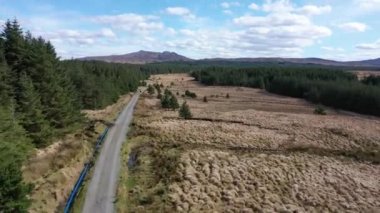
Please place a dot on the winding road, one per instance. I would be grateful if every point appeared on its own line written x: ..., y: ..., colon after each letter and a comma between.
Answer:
x: 101, y: 192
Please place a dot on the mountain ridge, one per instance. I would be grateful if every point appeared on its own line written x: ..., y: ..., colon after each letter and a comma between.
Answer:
x: 140, y: 57
x: 144, y: 57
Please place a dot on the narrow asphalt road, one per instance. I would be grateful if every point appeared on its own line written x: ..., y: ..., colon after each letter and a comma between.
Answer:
x: 101, y: 192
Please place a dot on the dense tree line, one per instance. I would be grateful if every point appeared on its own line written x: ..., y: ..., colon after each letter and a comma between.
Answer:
x: 99, y: 84
x: 372, y: 80
x: 41, y: 97
x: 329, y: 87
x: 197, y: 65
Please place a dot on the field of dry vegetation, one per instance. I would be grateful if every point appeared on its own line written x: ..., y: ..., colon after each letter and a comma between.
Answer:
x: 248, y: 151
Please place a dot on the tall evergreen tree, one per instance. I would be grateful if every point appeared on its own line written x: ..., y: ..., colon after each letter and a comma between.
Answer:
x: 184, y: 111
x: 173, y: 103
x: 30, y: 111
x: 14, y: 146
x: 14, y: 42
x: 5, y: 88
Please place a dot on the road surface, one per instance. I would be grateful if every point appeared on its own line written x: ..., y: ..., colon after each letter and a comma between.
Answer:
x: 101, y: 192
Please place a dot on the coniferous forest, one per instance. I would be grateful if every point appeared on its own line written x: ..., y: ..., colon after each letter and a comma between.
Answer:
x: 41, y: 96
x: 330, y: 87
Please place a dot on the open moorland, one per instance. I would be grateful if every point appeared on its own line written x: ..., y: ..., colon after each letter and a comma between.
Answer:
x: 246, y: 150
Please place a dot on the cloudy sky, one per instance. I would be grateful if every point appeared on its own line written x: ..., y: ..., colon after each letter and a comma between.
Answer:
x: 333, y: 29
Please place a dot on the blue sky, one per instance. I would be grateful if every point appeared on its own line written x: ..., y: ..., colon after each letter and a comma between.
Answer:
x: 333, y: 29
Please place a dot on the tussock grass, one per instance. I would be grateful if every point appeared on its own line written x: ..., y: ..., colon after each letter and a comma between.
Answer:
x: 253, y: 152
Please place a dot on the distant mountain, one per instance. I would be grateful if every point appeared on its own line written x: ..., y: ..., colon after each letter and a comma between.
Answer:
x: 140, y: 57
x: 317, y: 61
x: 143, y: 57
x: 370, y: 63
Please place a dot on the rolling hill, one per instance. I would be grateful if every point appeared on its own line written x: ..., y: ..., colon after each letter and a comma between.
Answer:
x: 144, y: 57
x: 140, y: 57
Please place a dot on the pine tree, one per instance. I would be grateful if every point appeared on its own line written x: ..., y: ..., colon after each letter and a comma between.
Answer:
x: 14, y: 48
x: 14, y: 146
x: 14, y: 43
x: 13, y: 196
x: 58, y: 98
x: 184, y: 111
x: 5, y: 87
x: 150, y: 89
x: 165, y: 101
x: 30, y: 111
x: 173, y: 103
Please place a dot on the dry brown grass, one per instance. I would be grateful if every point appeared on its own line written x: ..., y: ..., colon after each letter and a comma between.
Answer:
x: 256, y: 151
x: 54, y: 169
x: 363, y: 74
x: 226, y: 182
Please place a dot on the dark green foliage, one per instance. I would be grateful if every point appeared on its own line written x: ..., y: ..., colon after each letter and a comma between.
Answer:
x: 320, y: 111
x: 167, y: 92
x: 158, y: 88
x: 184, y: 111
x: 99, y: 83
x: 30, y: 112
x: 372, y: 80
x: 41, y: 96
x: 173, y: 103
x: 329, y: 87
x: 190, y: 94
x: 165, y: 101
x: 150, y: 89
x: 159, y: 95
x: 14, y: 146
x: 169, y: 101
x: 13, y: 191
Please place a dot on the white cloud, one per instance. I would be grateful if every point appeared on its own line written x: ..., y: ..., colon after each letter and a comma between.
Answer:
x: 106, y: 32
x: 178, y: 11
x: 285, y: 31
x: 286, y: 28
x: 254, y: 6
x: 354, y: 26
x: 370, y: 46
x: 285, y: 6
x: 272, y: 20
x: 171, y: 31
x: 314, y: 10
x: 131, y: 22
x: 227, y: 5
x: 368, y: 5
x: 76, y: 36
x: 277, y: 6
